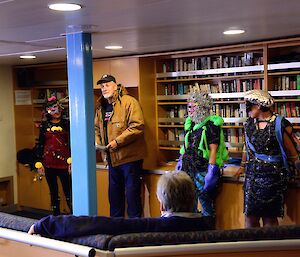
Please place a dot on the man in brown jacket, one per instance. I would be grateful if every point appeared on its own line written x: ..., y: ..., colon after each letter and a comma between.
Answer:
x: 119, y: 126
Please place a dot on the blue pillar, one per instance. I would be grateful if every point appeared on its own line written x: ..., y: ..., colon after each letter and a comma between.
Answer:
x: 80, y: 80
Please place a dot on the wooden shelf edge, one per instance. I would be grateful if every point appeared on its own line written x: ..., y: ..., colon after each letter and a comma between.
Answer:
x: 168, y: 148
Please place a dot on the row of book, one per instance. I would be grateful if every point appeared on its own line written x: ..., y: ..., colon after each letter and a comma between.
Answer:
x: 212, y: 62
x: 174, y: 134
x: 235, y: 110
x: 233, y: 137
x: 231, y: 86
x: 223, y: 110
x: 230, y: 110
x: 286, y: 82
x: 177, y: 111
x: 288, y: 109
x: 239, y: 85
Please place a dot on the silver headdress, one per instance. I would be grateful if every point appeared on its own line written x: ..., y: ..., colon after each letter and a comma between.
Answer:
x: 259, y: 97
x: 203, y: 104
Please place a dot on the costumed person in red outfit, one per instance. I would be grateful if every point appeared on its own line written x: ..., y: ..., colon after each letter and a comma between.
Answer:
x: 53, y: 153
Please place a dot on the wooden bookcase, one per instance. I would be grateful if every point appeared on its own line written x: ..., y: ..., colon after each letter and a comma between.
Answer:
x: 225, y: 73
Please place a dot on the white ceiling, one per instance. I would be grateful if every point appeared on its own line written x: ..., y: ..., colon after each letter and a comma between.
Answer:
x: 141, y: 26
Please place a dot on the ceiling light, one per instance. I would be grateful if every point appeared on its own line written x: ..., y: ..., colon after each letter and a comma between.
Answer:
x: 114, y: 47
x: 64, y: 7
x: 233, y: 31
x: 28, y: 56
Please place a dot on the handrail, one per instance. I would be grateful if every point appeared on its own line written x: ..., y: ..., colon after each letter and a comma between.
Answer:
x: 52, y: 244
x: 185, y: 249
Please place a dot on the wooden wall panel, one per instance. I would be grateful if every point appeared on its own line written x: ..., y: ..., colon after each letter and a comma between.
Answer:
x: 147, y: 101
x: 102, y: 192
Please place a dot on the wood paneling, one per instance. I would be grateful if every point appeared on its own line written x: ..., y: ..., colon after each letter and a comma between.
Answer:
x: 150, y: 181
x: 34, y: 192
x: 6, y: 191
x: 229, y: 206
x: 100, y: 67
x: 102, y: 192
x: 147, y: 101
x: 125, y: 70
x: 28, y: 189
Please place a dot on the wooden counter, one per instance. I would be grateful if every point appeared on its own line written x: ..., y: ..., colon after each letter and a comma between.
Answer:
x: 229, y: 202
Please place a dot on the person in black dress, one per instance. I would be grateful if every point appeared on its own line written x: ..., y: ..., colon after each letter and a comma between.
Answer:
x: 268, y: 143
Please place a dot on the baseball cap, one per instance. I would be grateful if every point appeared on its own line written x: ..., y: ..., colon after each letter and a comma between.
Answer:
x: 106, y: 78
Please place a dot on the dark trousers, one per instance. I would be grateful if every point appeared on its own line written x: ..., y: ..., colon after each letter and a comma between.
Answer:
x: 124, y: 180
x: 65, y: 179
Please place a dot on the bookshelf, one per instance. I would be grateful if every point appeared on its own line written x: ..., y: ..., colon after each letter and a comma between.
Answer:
x: 225, y: 73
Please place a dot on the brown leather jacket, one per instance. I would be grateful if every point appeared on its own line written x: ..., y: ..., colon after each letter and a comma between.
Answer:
x: 126, y: 126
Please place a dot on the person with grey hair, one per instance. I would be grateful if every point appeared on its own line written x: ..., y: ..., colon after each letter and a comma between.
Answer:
x: 175, y: 192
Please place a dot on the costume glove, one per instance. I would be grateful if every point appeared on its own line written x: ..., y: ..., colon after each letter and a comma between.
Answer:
x: 179, y: 164
x: 212, y: 177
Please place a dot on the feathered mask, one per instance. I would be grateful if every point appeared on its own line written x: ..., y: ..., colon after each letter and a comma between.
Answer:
x: 53, y: 105
x: 202, y: 104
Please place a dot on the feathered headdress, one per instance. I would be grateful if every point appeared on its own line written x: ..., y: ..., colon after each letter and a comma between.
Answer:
x: 259, y: 97
x: 203, y: 103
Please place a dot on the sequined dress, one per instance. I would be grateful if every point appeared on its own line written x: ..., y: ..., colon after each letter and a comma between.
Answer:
x: 265, y: 181
x: 196, y: 166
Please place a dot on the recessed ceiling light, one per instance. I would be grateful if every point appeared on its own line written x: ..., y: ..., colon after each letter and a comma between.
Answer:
x: 28, y: 56
x: 114, y: 47
x: 64, y: 7
x: 233, y: 32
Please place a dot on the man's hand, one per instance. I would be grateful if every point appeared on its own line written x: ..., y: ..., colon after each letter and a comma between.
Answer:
x: 31, y: 230
x: 112, y: 145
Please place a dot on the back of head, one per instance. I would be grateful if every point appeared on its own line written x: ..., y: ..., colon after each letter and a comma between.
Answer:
x: 176, y: 192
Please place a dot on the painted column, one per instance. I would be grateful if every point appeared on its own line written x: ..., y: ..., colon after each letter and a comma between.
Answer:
x: 80, y: 80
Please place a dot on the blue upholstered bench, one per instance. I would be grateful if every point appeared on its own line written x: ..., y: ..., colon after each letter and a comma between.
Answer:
x: 110, y: 243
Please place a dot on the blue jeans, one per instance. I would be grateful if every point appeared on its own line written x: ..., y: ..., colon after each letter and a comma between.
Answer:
x: 124, y: 180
